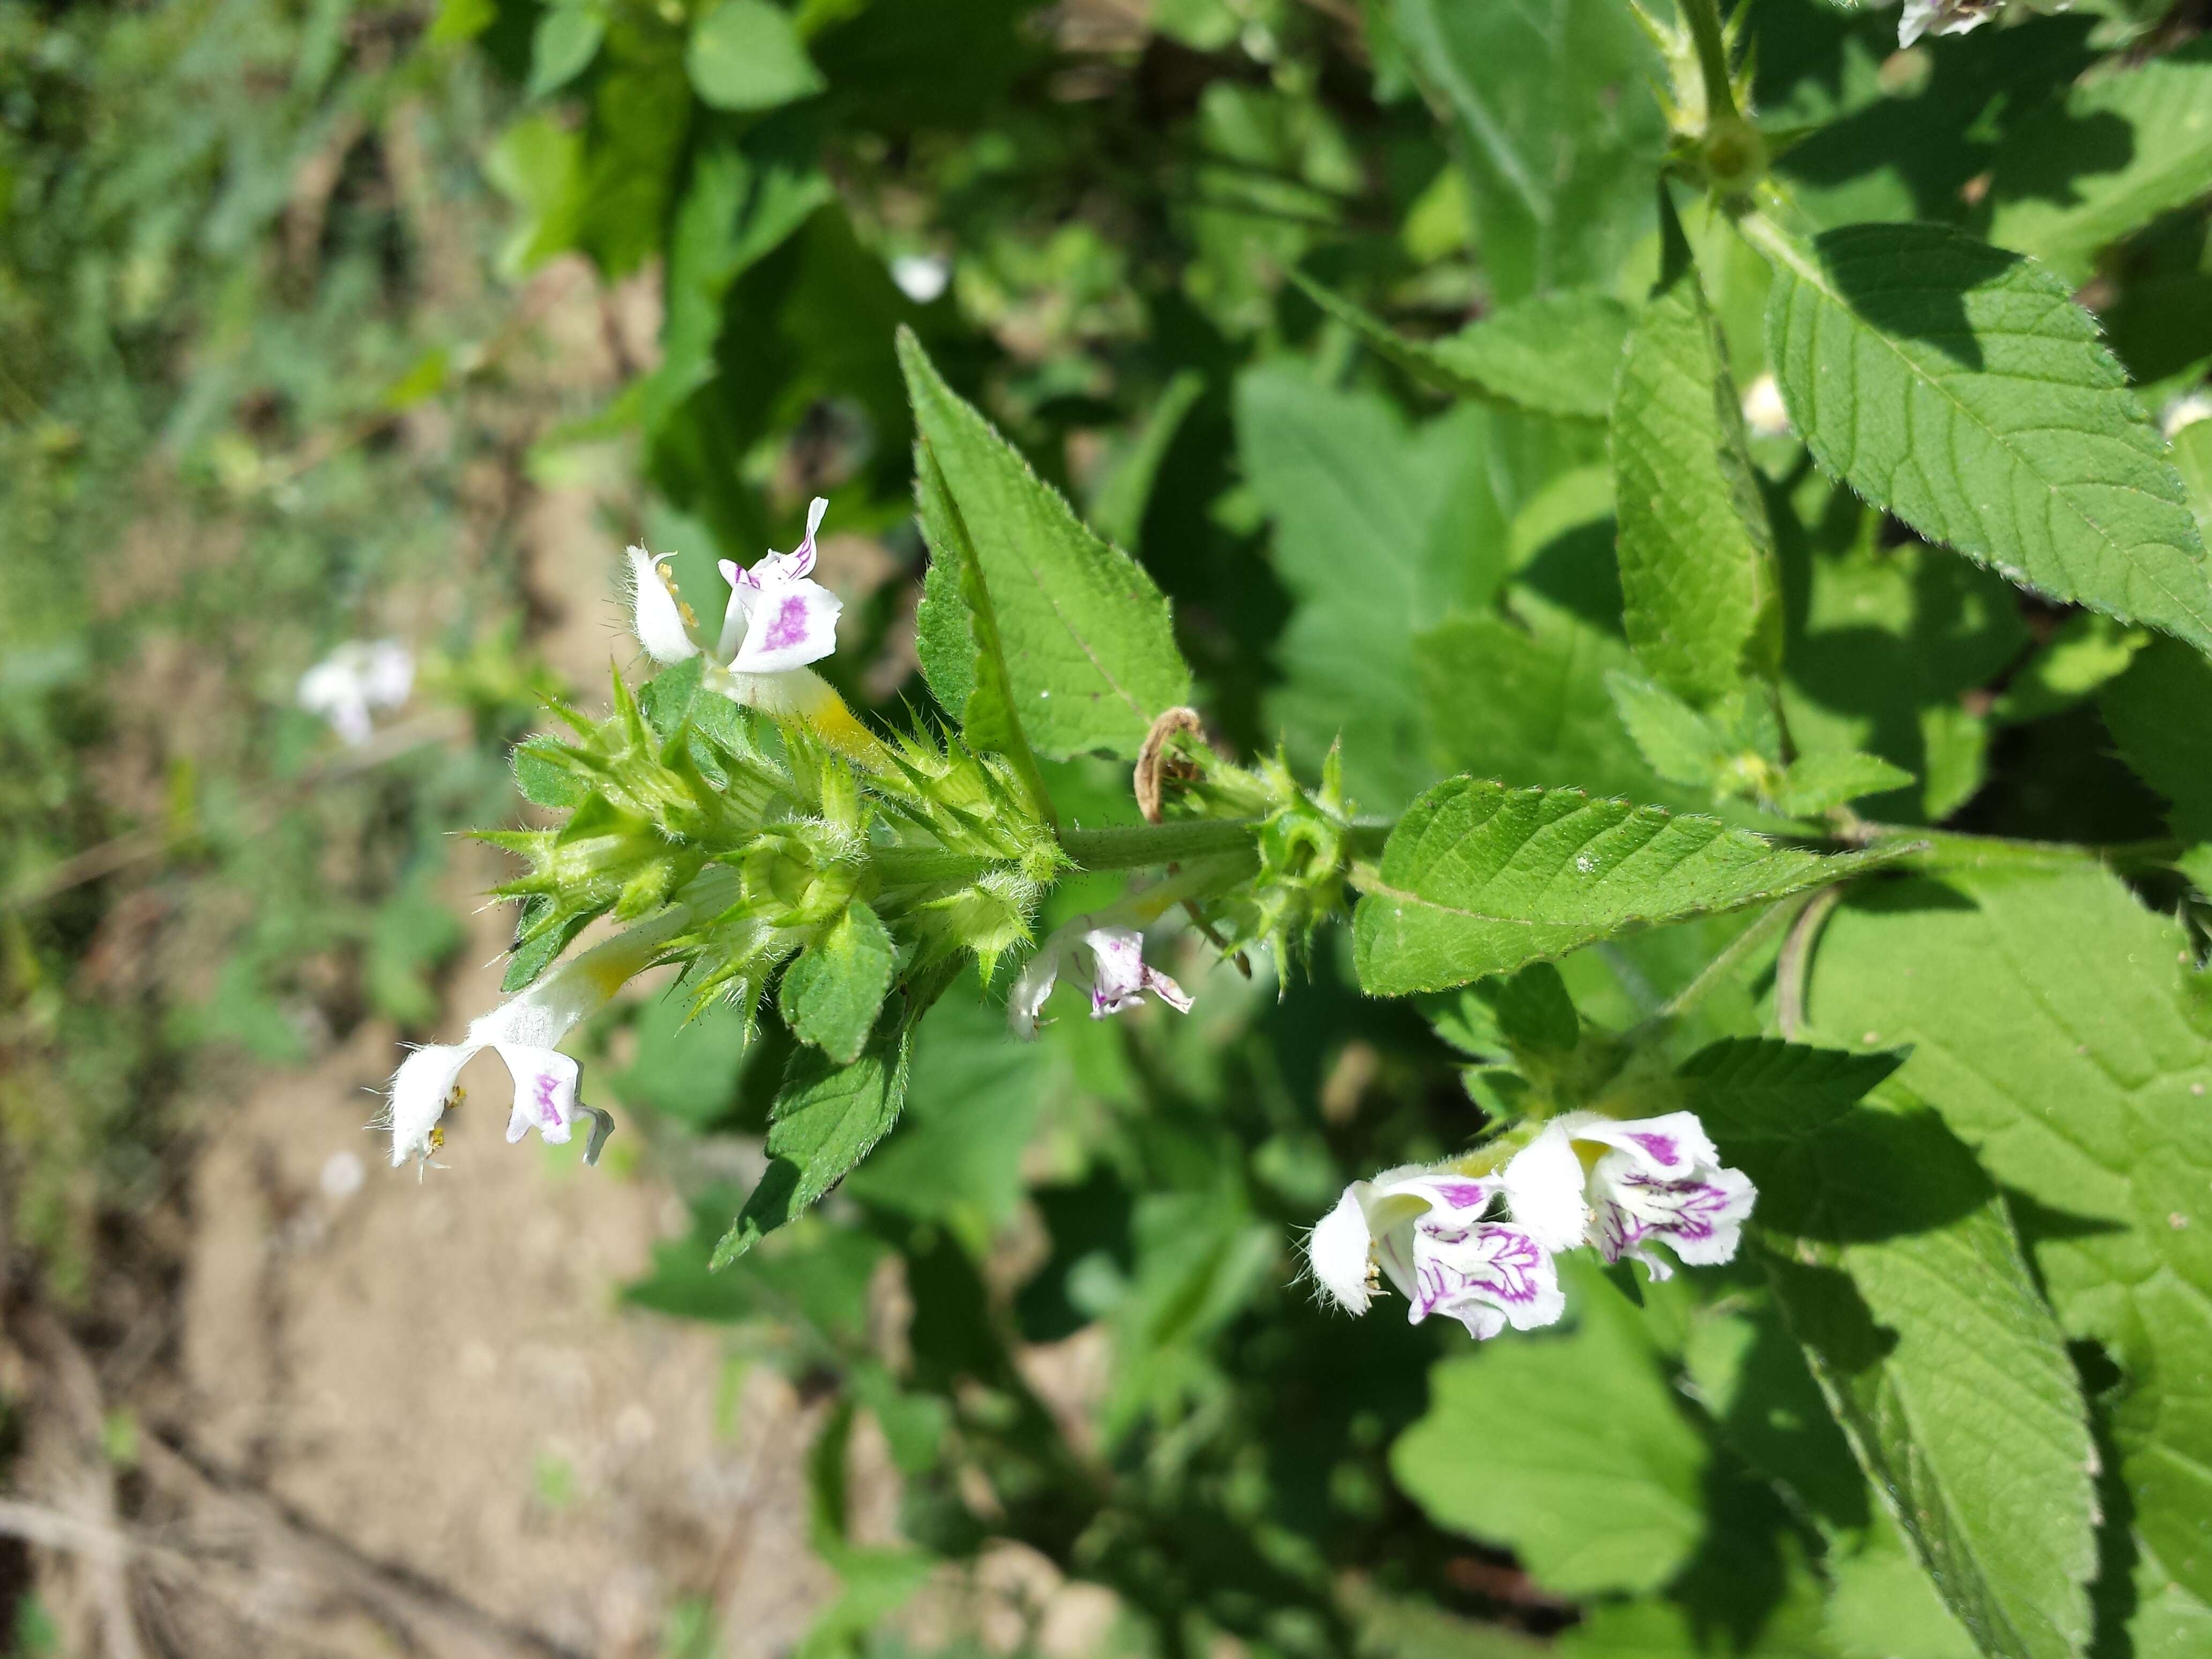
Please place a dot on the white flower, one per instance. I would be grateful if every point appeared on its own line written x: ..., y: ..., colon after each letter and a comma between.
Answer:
x: 523, y: 1032
x: 921, y: 276
x: 1943, y: 17
x: 360, y: 678
x: 1764, y: 411
x: 1433, y: 1232
x: 2186, y: 411
x: 776, y: 621
x: 1625, y: 1187
x: 1111, y: 953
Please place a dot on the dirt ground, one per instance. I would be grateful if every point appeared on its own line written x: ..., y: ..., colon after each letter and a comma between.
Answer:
x: 356, y: 1412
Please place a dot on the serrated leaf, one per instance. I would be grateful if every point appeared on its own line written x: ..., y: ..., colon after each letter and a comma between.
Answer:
x: 824, y: 1122
x: 2061, y: 1029
x: 544, y: 777
x: 1960, y: 387
x: 1680, y: 744
x: 1952, y: 1383
x: 1478, y: 878
x: 945, y: 637
x: 1759, y: 1089
x: 1815, y: 783
x: 957, y: 630
x: 1087, y: 644
x: 1557, y: 353
x: 665, y: 699
x: 1597, y: 1486
x: 833, y: 989
x: 535, y: 951
x: 745, y: 55
x: 2111, y: 155
x: 1554, y: 128
x: 1700, y: 589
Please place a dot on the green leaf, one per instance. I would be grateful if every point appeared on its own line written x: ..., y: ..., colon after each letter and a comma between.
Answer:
x: 957, y: 630
x: 737, y: 208
x: 1701, y: 591
x: 1552, y: 124
x: 544, y: 775
x: 1477, y: 879
x: 2061, y: 1028
x: 2113, y: 153
x: 1089, y: 646
x: 944, y: 636
x: 822, y: 1123
x: 975, y: 1096
x: 1118, y: 509
x: 833, y: 989
x: 2087, y: 652
x: 1570, y: 1450
x: 1952, y: 1381
x: 745, y: 54
x: 1378, y: 531
x: 1757, y: 1088
x: 567, y: 39
x: 1883, y: 1604
x: 1962, y: 389
x: 1887, y: 640
x: 2160, y: 714
x: 686, y: 1066
x: 1681, y: 745
x: 538, y: 165
x: 1815, y: 783
x: 1557, y: 353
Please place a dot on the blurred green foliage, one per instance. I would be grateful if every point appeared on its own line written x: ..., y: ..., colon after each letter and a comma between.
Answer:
x: 262, y: 259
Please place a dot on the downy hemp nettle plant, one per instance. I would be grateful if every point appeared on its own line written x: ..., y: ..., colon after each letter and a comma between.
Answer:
x: 1697, y: 743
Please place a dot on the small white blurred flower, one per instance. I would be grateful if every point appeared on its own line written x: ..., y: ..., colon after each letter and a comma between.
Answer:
x: 1111, y: 952
x: 921, y: 276
x: 343, y: 1174
x: 361, y: 677
x: 1943, y: 17
x: 1764, y: 411
x: 2186, y: 411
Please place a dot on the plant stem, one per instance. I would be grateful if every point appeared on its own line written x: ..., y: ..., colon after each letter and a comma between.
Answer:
x: 1135, y: 846
x: 1946, y: 849
x: 1703, y: 18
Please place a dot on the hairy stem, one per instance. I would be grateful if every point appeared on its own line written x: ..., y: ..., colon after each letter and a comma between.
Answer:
x: 1136, y: 845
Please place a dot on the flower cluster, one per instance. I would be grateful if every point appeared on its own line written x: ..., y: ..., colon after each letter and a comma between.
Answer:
x: 736, y: 819
x: 1476, y: 1240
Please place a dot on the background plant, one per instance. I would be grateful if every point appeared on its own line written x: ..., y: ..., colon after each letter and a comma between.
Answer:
x: 1420, y: 356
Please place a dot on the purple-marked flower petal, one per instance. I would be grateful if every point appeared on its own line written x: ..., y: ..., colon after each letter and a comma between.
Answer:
x: 791, y: 624
x: 545, y: 1092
